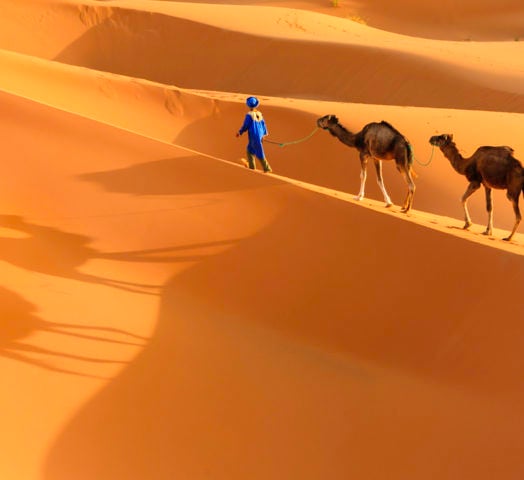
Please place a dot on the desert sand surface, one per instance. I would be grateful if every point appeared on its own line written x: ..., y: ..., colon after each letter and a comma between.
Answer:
x: 168, y: 314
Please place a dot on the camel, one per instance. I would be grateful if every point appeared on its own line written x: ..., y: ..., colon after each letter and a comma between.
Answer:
x: 492, y: 167
x: 379, y: 141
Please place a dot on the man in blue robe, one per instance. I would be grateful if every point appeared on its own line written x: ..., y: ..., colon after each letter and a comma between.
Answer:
x: 255, y: 126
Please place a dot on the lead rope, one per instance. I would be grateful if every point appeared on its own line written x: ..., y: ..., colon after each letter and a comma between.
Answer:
x: 283, y: 144
x: 430, y: 158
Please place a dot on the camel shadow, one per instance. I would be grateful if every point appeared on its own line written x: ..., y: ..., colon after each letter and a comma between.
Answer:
x: 51, y: 251
x: 18, y: 320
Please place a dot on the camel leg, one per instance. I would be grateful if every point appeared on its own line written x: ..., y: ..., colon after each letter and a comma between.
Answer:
x: 363, y: 175
x: 514, y: 199
x: 380, y: 180
x: 411, y: 191
x: 489, y: 208
x: 472, y: 188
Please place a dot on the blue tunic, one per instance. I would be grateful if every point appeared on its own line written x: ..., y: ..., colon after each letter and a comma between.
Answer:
x: 256, y: 129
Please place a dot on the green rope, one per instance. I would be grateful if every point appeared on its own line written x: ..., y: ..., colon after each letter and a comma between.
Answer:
x: 283, y: 144
x: 430, y: 158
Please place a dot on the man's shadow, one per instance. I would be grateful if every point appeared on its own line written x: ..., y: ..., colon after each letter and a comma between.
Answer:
x: 19, y: 320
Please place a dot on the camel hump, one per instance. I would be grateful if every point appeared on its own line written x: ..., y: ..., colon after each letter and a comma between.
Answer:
x: 387, y: 124
x: 502, y: 148
x: 391, y: 127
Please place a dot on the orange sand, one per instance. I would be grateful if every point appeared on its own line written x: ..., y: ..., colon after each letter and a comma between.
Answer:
x: 168, y: 314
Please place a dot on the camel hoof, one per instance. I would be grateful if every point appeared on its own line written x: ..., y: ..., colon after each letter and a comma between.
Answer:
x: 466, y: 226
x: 357, y: 198
x: 389, y: 205
x: 507, y: 239
x: 404, y: 210
x: 487, y: 233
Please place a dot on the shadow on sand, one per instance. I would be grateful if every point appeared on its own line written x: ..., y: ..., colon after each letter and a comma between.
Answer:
x: 220, y: 397
x: 51, y: 251
x: 19, y: 320
x: 190, y: 175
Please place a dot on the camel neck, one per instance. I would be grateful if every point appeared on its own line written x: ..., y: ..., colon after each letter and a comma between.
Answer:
x: 458, y: 162
x: 343, y: 134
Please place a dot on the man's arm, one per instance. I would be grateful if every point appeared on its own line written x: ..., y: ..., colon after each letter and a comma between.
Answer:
x: 247, y: 123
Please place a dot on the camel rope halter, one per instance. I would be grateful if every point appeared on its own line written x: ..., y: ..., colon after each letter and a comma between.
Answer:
x: 293, y: 142
x: 430, y: 157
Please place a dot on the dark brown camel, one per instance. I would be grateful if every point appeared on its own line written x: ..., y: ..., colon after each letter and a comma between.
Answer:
x: 379, y: 141
x: 492, y: 167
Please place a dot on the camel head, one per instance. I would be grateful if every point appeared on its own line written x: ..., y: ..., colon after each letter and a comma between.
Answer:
x: 441, y: 140
x: 327, y: 121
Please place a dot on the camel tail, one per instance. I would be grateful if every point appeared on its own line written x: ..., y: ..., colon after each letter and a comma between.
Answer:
x: 521, y: 177
x: 411, y: 154
x: 411, y: 158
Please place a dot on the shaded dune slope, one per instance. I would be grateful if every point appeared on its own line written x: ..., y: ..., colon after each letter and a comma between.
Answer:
x: 253, y: 355
x: 283, y: 68
x: 484, y: 20
x: 249, y: 343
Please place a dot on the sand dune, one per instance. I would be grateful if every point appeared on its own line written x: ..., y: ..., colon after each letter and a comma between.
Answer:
x: 468, y: 20
x: 169, y: 314
x: 204, y: 121
x: 307, y: 56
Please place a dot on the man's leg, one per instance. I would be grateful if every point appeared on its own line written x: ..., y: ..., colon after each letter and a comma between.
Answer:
x: 250, y: 160
x: 265, y: 164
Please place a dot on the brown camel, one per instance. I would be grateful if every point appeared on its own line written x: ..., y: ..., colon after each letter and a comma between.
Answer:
x: 493, y: 167
x: 379, y: 141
